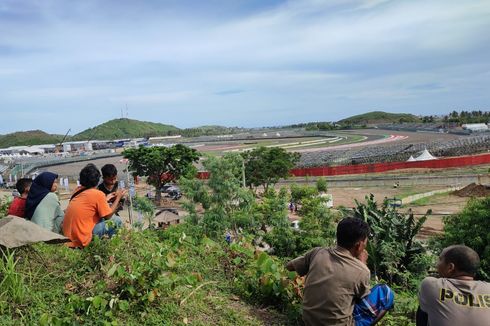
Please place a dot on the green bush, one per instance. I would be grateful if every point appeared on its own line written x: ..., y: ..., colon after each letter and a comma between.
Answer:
x: 4, y: 205
x: 146, y: 208
x: 299, y: 192
x: 471, y: 227
x: 394, y: 253
x: 321, y: 184
x: 264, y: 280
x: 12, y: 284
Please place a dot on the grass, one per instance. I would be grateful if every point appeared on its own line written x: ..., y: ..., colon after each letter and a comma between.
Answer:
x: 148, y: 277
x: 434, y: 199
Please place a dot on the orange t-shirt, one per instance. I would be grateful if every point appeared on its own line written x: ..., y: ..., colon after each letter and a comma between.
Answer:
x: 81, y: 215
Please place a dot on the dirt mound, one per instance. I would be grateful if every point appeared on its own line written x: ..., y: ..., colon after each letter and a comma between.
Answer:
x: 473, y: 190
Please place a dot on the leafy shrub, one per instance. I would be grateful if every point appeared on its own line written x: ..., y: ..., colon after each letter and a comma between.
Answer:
x: 299, y: 192
x: 470, y: 227
x: 394, y: 254
x: 145, y: 207
x: 321, y: 184
x: 403, y: 313
x: 12, y: 285
x: 264, y: 279
x: 4, y: 206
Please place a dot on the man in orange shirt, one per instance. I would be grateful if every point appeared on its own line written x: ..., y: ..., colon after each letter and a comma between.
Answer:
x: 88, y: 212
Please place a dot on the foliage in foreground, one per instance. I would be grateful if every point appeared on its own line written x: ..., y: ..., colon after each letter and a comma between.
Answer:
x: 471, y: 227
x: 151, y: 277
x: 394, y: 253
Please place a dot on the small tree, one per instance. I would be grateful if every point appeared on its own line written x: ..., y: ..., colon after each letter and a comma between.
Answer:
x: 394, y: 254
x: 321, y: 184
x: 161, y: 164
x: 265, y: 166
x: 145, y: 207
x: 300, y: 192
x: 226, y: 204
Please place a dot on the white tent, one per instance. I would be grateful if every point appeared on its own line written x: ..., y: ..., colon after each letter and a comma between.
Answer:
x: 425, y: 156
x: 411, y: 159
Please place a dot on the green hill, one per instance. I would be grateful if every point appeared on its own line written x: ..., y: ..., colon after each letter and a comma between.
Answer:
x: 379, y: 117
x: 126, y: 128
x: 31, y: 137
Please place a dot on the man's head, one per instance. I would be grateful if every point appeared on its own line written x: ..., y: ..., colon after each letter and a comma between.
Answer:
x: 352, y: 234
x: 109, y: 175
x: 457, y: 261
x: 23, y: 185
x: 89, y: 176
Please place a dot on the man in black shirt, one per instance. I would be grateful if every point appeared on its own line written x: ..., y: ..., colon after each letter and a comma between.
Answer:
x: 109, y: 182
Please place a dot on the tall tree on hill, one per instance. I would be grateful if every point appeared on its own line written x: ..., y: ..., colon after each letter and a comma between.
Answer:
x: 265, y: 166
x: 162, y: 164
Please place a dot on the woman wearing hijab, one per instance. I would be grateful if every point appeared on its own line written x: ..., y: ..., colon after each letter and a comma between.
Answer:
x: 42, y: 205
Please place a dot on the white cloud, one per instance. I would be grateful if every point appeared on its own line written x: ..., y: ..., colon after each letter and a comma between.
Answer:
x: 300, y: 54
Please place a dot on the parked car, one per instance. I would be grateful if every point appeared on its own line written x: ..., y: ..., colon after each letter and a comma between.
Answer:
x: 174, y: 193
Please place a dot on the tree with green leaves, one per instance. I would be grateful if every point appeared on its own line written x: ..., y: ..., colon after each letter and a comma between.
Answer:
x: 321, y: 184
x: 162, y: 164
x: 394, y: 253
x: 470, y: 227
x: 227, y: 205
x: 265, y: 166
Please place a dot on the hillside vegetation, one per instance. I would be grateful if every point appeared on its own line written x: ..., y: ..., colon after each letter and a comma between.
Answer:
x: 210, y: 131
x: 210, y: 269
x: 379, y: 117
x: 126, y: 128
x: 32, y: 137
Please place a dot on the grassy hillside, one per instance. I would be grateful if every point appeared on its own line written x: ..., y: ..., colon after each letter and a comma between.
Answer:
x: 126, y: 128
x: 379, y: 117
x: 32, y: 137
x: 145, y: 278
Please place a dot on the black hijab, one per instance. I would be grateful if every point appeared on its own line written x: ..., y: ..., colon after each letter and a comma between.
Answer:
x: 41, y: 186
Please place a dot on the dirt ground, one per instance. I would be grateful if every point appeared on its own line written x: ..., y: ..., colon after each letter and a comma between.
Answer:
x: 440, y: 207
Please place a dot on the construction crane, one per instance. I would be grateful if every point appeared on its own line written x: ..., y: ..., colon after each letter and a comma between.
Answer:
x: 59, y: 147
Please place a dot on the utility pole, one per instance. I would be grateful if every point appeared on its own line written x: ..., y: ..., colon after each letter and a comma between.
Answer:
x: 243, y: 173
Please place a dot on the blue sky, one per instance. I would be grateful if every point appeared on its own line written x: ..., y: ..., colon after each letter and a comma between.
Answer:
x: 76, y: 64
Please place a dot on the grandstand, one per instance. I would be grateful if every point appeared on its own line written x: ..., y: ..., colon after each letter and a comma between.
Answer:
x: 396, y: 152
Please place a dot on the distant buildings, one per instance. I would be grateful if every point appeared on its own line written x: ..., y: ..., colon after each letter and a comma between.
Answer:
x: 475, y: 127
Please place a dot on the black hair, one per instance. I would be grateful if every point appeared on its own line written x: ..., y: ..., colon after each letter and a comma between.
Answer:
x: 464, y: 258
x: 89, y: 176
x: 22, y: 184
x: 109, y: 170
x: 351, y: 230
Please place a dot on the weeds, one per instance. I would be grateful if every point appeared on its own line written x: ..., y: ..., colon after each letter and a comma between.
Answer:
x: 12, y: 285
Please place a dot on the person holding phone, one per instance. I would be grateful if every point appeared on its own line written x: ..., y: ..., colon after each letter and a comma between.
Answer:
x: 109, y: 184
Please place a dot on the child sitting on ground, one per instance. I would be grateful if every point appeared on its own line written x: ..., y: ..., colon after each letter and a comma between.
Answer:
x: 18, y: 205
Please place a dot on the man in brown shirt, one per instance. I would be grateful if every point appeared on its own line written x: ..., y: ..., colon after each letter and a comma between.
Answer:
x: 335, y: 277
x: 455, y: 298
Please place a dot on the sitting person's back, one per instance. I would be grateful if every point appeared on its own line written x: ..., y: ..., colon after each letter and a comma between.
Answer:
x: 335, y: 277
x: 83, y: 212
x: 336, y: 272
x: 42, y: 205
x: 88, y: 209
x: 455, y: 298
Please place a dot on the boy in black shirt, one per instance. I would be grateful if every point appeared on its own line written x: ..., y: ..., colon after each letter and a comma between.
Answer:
x: 109, y: 182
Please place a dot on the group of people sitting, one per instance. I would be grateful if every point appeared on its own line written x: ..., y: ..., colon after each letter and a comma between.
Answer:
x: 338, y: 292
x: 88, y: 213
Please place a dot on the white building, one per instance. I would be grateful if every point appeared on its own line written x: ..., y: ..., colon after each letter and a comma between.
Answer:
x: 475, y: 127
